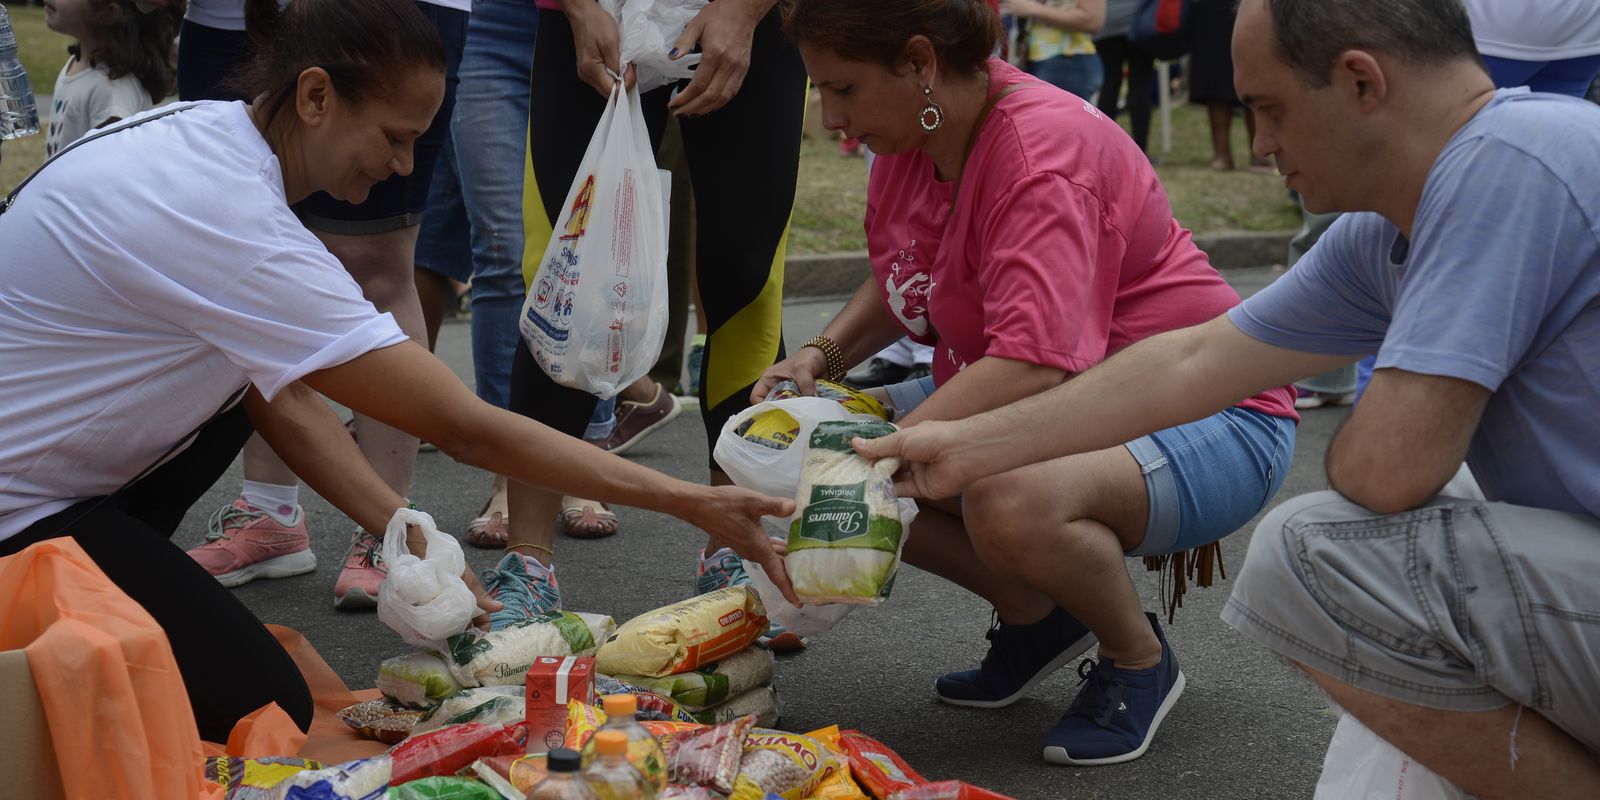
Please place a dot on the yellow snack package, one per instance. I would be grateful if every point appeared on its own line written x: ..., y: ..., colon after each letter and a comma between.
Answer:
x: 684, y: 636
x: 582, y: 721
x: 788, y: 765
x: 838, y: 785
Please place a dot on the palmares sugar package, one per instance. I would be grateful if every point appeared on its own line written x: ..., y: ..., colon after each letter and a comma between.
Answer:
x: 844, y: 543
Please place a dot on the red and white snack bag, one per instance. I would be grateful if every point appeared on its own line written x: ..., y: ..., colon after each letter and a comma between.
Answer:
x: 552, y: 682
x: 879, y: 769
x: 947, y: 790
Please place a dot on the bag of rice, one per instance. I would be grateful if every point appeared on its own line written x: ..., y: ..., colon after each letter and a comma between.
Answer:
x: 844, y: 543
x: 762, y: 703
x: 418, y: 679
x: 362, y: 779
x: 685, y: 635
x: 502, y: 657
x: 712, y: 683
x: 505, y: 705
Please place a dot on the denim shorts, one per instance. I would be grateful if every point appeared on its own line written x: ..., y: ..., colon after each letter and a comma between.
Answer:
x: 1208, y: 477
x: 1081, y: 75
x: 1459, y: 604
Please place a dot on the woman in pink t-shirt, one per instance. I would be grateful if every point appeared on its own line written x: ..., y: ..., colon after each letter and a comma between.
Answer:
x: 1023, y: 233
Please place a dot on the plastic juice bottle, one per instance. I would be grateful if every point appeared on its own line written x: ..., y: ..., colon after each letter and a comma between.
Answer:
x: 563, y: 781
x: 610, y: 775
x: 644, y: 752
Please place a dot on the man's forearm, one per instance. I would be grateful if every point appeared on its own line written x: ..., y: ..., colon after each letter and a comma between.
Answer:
x: 1166, y: 380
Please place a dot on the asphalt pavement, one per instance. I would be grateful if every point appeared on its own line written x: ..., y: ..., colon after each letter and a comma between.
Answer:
x: 1247, y: 726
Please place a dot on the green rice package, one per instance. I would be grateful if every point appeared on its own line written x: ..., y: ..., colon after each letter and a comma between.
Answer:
x: 844, y: 542
x: 713, y: 683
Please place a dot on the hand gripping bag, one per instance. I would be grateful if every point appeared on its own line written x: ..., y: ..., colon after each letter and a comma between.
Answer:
x: 425, y: 600
x: 648, y: 29
x: 596, y: 311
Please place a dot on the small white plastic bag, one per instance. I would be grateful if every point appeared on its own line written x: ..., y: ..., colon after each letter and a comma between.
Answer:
x: 425, y: 600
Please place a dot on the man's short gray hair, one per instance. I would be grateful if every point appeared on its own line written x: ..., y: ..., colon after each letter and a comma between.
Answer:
x: 1312, y: 33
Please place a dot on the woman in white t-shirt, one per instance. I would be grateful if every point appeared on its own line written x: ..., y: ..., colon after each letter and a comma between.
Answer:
x: 134, y: 313
x: 121, y: 64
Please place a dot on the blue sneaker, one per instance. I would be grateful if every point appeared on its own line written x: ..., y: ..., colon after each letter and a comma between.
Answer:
x: 1020, y: 656
x: 1117, y: 711
x: 724, y: 568
x: 525, y: 589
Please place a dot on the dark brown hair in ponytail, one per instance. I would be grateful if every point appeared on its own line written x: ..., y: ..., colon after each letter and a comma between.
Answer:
x: 365, y: 46
x: 964, y: 32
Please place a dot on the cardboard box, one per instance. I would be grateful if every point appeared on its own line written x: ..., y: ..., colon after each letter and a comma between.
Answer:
x: 27, y: 756
x: 551, y: 684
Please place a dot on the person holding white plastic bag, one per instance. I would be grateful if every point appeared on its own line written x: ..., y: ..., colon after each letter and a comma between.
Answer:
x: 148, y: 328
x: 741, y: 119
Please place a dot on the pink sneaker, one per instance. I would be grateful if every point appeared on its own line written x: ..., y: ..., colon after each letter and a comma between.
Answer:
x: 363, y: 570
x: 244, y: 543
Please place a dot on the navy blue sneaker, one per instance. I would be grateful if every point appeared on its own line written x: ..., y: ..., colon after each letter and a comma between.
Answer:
x: 1019, y: 657
x: 1117, y: 711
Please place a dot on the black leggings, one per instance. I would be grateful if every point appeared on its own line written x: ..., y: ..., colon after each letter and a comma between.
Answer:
x: 744, y: 160
x: 230, y: 662
x: 1141, y: 79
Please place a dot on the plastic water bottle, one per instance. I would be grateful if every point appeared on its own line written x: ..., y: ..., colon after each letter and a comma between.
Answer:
x: 564, y: 780
x: 18, y: 114
x: 644, y: 752
x: 610, y: 775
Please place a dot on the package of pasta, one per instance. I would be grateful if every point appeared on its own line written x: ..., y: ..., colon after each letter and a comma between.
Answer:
x: 713, y: 683
x: 503, y: 657
x: 761, y: 703
x: 877, y: 767
x: 845, y: 540
x: 254, y: 778
x: 685, y: 635
x: 788, y: 765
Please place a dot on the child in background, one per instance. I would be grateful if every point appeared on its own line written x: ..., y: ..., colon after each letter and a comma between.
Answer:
x: 122, y: 63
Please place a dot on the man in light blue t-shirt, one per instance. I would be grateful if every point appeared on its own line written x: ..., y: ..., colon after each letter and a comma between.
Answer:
x: 1474, y: 276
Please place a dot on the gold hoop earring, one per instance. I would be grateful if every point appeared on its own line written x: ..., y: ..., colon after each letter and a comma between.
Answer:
x: 931, y: 116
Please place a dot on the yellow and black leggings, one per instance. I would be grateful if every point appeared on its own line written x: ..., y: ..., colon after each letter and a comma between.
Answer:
x: 743, y: 162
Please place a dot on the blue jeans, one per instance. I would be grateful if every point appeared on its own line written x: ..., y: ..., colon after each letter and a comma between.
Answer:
x: 490, y: 133
x: 1082, y: 75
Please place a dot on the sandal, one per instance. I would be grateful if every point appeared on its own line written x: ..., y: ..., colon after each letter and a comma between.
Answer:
x: 587, y: 519
x: 489, y: 530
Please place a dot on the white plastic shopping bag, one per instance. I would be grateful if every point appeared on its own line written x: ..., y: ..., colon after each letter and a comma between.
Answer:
x: 767, y: 464
x: 1360, y: 765
x: 649, y: 29
x: 425, y: 600
x: 596, y: 311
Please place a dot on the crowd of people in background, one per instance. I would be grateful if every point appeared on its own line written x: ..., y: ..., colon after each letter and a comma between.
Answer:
x: 381, y: 156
